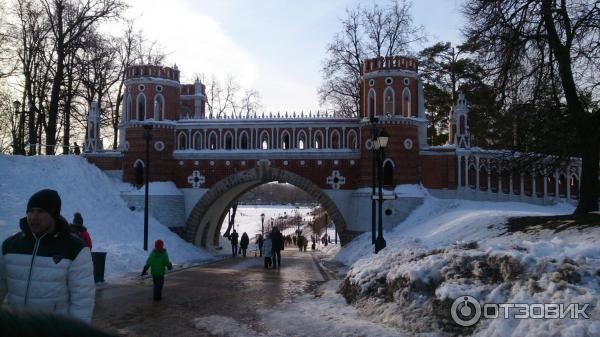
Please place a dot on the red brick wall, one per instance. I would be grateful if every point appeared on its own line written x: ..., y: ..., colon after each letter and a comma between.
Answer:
x: 162, y: 164
x: 438, y: 171
x: 105, y: 163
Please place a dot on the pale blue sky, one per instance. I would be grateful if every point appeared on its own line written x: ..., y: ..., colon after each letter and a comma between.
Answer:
x: 274, y: 46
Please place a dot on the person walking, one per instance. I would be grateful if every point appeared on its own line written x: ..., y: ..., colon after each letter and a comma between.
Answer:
x: 44, y: 267
x: 260, y: 243
x: 158, y: 260
x: 234, y: 243
x: 78, y: 229
x: 244, y: 242
x: 268, y: 251
x: 277, y: 240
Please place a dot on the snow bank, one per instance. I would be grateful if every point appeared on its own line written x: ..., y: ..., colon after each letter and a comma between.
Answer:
x: 450, y: 248
x: 86, y: 189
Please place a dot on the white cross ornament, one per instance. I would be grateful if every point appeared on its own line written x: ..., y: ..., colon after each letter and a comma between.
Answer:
x: 196, y: 179
x: 335, y: 180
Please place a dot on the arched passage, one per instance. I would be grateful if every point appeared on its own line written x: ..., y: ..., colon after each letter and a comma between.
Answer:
x: 204, y: 222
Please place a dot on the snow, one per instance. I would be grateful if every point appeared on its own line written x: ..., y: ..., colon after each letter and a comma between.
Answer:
x: 155, y: 188
x: 450, y: 248
x: 247, y: 218
x: 84, y: 188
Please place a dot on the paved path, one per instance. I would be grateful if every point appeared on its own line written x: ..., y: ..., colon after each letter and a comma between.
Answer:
x: 233, y: 288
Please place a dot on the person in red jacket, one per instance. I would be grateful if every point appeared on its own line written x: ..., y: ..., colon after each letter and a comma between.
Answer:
x: 79, y: 230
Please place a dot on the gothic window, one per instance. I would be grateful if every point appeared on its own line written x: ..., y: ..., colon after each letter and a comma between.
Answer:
x: 182, y: 141
x: 244, y: 140
x: 371, y: 104
x: 228, y: 141
x: 388, y: 101
x: 462, y: 124
x: 352, y: 140
x: 285, y: 140
x: 406, y: 103
x: 302, y: 140
x: 212, y: 141
x: 264, y: 140
x: 141, y: 107
x: 388, y: 173
x: 198, y: 140
x: 318, y: 140
x: 335, y: 140
x: 159, y: 107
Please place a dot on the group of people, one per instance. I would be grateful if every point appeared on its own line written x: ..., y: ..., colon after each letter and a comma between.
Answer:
x: 46, y: 268
x: 271, y: 248
x: 243, y: 244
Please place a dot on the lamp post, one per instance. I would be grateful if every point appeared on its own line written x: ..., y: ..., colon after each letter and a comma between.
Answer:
x: 374, y: 132
x: 147, y: 137
x: 380, y: 145
x: 262, y: 224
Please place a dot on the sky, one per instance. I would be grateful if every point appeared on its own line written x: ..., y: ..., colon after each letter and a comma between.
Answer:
x: 273, y: 46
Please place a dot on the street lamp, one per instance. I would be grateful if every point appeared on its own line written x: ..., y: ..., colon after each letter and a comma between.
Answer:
x: 374, y: 132
x: 379, y: 145
x: 147, y: 137
x: 262, y: 224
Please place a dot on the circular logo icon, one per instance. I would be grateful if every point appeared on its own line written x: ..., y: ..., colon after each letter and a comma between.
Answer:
x: 465, y: 311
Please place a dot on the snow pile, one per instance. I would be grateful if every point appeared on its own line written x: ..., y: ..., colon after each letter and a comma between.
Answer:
x: 84, y: 188
x: 450, y: 248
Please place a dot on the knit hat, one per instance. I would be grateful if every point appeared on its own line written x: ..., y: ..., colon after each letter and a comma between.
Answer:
x: 159, y: 244
x: 48, y: 200
x: 77, y: 219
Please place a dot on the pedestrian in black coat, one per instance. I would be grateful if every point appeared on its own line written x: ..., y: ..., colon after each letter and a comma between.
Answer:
x: 234, y: 242
x: 260, y: 242
x: 277, y: 239
x: 244, y: 241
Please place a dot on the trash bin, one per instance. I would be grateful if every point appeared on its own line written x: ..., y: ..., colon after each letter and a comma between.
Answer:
x: 99, y: 259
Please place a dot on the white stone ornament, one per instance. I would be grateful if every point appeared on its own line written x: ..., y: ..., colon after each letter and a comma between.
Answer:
x: 181, y: 163
x: 408, y: 143
x: 196, y: 179
x: 336, y: 180
x: 368, y: 144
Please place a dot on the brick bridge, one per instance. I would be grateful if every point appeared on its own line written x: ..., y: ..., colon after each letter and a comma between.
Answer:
x: 213, y: 161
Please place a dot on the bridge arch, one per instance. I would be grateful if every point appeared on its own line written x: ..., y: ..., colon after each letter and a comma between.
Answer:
x: 204, y: 222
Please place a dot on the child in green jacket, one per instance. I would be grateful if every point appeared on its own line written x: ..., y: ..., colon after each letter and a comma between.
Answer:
x: 158, y: 261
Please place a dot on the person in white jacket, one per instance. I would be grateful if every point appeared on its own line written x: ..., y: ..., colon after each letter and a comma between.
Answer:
x: 44, y: 267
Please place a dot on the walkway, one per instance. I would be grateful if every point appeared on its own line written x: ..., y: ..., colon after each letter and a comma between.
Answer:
x: 233, y: 288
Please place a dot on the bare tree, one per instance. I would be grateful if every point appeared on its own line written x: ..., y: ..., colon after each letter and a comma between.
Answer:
x: 366, y: 33
x: 250, y: 102
x: 69, y: 19
x: 527, y: 45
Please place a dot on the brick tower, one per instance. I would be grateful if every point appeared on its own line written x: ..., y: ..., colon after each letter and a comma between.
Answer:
x: 391, y: 98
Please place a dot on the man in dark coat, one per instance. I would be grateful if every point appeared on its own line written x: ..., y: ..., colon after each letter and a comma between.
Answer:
x: 277, y: 239
x: 63, y: 281
x: 244, y: 241
x: 260, y: 243
x: 234, y: 242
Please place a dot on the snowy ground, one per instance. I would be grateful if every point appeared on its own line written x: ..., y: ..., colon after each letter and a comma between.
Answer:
x: 450, y: 248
